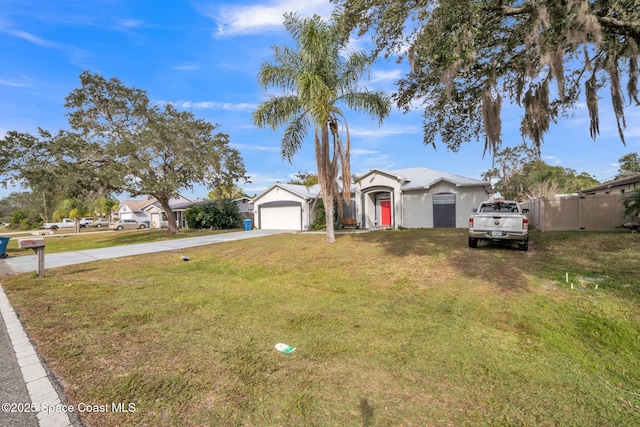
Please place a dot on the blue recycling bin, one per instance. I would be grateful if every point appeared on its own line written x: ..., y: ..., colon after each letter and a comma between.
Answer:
x: 4, y: 241
x: 247, y: 225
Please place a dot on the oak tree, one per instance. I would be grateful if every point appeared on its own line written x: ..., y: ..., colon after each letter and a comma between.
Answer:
x: 468, y: 57
x: 150, y: 150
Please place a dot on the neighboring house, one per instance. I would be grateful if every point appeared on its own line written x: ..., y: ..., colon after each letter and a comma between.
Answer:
x: 411, y: 198
x: 150, y: 211
x: 245, y: 207
x: 619, y: 186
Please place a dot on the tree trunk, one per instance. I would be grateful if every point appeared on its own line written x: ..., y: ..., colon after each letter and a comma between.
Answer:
x: 328, y: 211
x: 171, y: 217
x: 326, y: 179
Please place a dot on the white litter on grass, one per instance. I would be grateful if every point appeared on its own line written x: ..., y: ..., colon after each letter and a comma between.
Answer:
x: 284, y: 348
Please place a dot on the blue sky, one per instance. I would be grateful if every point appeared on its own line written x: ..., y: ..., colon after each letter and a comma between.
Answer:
x: 204, y: 56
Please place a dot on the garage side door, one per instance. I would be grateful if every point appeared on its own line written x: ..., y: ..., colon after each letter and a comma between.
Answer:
x: 280, y: 218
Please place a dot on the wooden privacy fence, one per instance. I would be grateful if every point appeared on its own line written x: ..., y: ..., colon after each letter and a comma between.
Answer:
x: 600, y: 212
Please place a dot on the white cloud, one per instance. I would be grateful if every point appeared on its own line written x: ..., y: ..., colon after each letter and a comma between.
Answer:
x: 360, y: 152
x: 130, y: 23
x: 28, y: 37
x: 22, y: 82
x: 209, y: 105
x: 392, y: 75
x: 381, y: 132
x: 258, y: 17
x: 186, y: 67
x: 257, y: 147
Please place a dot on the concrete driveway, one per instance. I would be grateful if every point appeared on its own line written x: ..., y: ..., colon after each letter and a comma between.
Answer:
x: 27, y: 263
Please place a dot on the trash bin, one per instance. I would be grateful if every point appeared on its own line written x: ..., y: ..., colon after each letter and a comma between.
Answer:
x: 4, y: 241
x: 247, y: 225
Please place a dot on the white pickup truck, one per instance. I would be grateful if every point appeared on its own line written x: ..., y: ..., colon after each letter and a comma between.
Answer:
x: 65, y: 223
x: 499, y: 221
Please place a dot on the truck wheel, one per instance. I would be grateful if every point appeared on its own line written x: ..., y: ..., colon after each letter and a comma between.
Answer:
x: 524, y: 246
x: 142, y: 226
x: 473, y: 243
x: 54, y: 227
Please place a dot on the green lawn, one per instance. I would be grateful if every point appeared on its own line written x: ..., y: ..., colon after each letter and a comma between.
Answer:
x: 394, y: 328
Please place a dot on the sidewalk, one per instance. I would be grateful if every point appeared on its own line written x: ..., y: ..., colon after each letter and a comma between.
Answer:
x: 26, y: 386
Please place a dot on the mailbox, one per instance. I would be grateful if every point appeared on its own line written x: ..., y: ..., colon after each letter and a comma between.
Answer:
x: 31, y: 243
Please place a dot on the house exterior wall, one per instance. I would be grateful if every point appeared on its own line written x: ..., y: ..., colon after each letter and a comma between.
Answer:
x: 125, y: 213
x: 618, y: 189
x: 244, y: 205
x: 418, y: 204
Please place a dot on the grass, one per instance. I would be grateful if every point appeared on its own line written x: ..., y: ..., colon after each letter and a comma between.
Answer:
x: 391, y: 328
x: 65, y: 240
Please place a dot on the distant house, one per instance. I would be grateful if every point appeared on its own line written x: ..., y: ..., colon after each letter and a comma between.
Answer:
x: 618, y: 186
x: 245, y: 207
x: 411, y: 198
x: 150, y: 211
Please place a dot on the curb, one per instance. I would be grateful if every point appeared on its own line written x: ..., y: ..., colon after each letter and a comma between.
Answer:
x: 39, y: 385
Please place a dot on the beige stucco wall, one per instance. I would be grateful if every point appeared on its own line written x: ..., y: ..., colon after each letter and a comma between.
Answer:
x: 418, y: 205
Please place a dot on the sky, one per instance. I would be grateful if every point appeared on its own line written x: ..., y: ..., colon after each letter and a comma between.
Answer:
x: 204, y: 57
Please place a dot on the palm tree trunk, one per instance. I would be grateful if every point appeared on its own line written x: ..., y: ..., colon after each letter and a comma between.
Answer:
x: 325, y: 179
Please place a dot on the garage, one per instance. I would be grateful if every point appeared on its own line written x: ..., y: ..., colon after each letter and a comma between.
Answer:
x: 282, y: 215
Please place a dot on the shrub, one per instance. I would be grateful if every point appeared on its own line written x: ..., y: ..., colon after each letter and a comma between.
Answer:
x: 191, y: 215
x: 221, y: 214
x: 25, y: 220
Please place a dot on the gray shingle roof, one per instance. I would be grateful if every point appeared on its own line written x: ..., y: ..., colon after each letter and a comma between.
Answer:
x: 423, y: 178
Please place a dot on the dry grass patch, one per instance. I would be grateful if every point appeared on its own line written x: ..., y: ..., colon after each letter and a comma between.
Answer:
x: 396, y: 327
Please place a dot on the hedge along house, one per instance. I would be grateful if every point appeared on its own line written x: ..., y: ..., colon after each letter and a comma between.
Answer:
x: 411, y: 198
x: 418, y: 198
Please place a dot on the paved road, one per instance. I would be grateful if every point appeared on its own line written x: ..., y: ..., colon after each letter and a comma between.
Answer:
x: 24, y: 379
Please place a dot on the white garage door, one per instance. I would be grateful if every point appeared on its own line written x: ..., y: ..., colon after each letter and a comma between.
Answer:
x: 280, y: 218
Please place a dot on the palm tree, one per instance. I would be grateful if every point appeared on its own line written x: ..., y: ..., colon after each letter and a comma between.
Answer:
x: 631, y: 203
x: 74, y: 209
x: 314, y: 79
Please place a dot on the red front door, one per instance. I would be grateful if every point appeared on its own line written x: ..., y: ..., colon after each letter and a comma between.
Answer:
x: 385, y: 213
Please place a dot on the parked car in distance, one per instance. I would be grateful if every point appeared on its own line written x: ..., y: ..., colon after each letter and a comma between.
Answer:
x: 85, y: 222
x: 127, y: 224
x: 100, y: 222
x: 65, y: 223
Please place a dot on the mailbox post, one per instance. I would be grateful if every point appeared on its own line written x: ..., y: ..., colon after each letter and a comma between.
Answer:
x: 37, y: 244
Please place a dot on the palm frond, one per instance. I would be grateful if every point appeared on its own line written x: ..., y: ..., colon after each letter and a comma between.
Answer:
x: 293, y: 136
x: 276, y: 111
x: 376, y: 104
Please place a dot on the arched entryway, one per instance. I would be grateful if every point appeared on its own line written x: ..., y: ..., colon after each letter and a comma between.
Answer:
x: 378, y: 207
